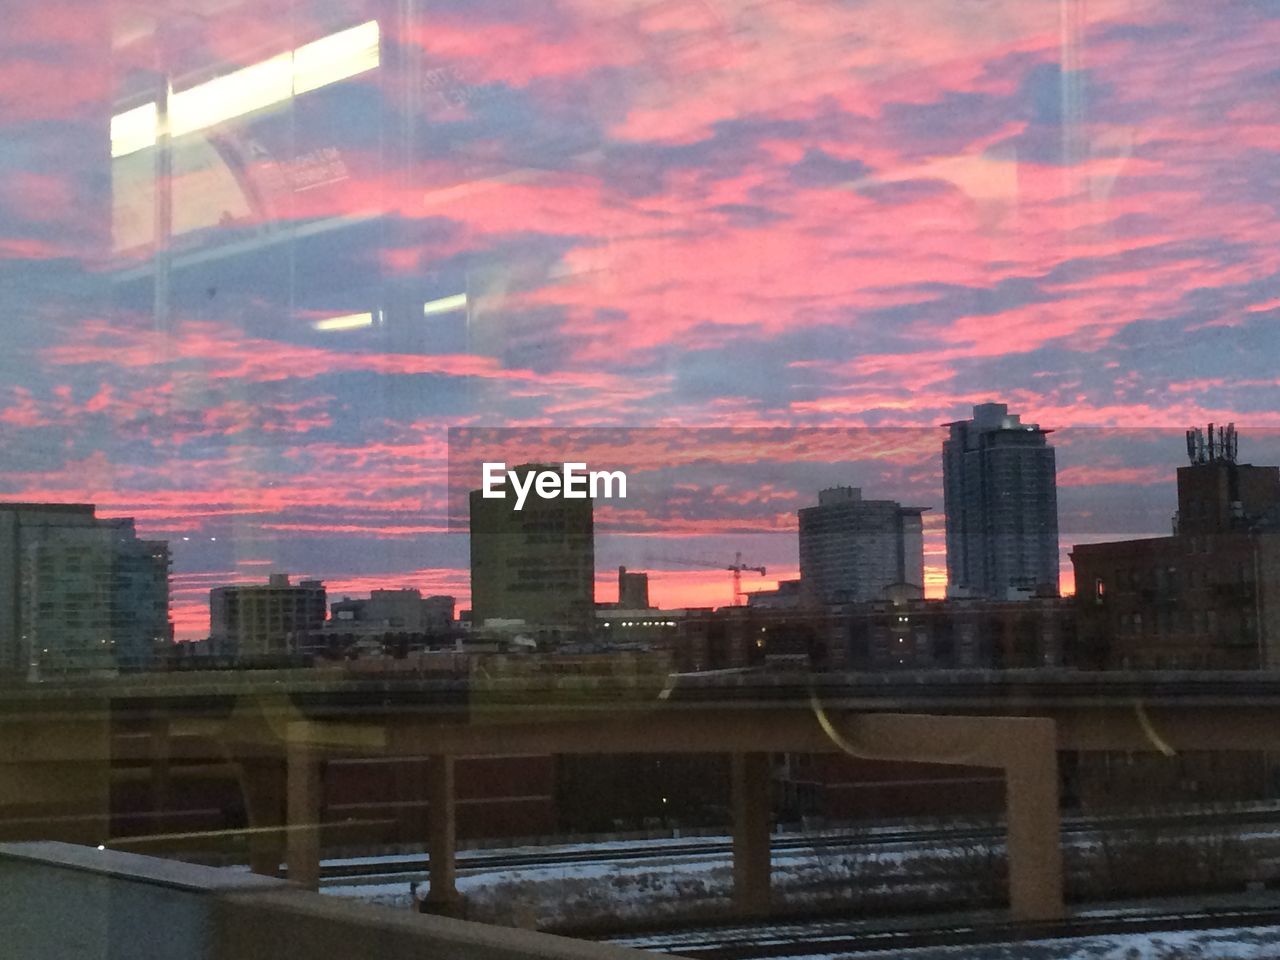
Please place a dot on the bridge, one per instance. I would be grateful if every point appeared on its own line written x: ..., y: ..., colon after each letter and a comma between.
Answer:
x: 274, y: 731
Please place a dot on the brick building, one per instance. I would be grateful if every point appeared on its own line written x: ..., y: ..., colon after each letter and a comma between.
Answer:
x: 960, y: 634
x: 1207, y: 597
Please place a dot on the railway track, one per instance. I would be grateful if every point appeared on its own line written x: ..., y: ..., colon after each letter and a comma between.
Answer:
x: 392, y: 869
x: 774, y: 941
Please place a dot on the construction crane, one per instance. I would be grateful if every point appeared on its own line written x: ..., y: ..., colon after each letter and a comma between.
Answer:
x: 737, y: 568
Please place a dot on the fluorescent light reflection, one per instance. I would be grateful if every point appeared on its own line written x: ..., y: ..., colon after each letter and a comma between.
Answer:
x: 232, y: 95
x: 338, y: 56
x: 335, y: 57
x: 445, y: 305
x: 349, y: 321
x: 133, y: 130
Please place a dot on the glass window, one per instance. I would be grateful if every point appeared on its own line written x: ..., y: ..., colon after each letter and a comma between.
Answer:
x: 621, y: 467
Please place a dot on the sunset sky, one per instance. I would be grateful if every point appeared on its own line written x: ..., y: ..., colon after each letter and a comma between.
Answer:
x: 787, y: 238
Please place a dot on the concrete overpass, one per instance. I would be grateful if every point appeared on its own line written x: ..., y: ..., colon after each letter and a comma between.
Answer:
x: 276, y: 731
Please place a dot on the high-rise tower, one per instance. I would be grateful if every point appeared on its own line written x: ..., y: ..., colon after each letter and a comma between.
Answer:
x: 1002, y: 505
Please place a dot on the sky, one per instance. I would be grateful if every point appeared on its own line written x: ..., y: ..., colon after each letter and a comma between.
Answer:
x: 817, y: 228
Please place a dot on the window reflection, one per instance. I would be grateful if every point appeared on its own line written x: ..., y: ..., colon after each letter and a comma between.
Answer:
x: 277, y: 279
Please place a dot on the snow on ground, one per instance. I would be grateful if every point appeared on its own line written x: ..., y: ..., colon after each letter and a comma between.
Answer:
x: 1246, y: 943
x: 645, y: 890
x: 683, y: 886
x: 650, y: 878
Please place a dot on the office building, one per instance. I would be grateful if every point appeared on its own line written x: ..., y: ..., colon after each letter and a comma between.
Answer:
x: 78, y: 592
x: 536, y: 564
x: 852, y: 550
x: 633, y: 590
x: 256, y: 620
x: 1002, y: 507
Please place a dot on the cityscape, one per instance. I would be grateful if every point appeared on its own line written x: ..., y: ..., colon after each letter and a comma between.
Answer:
x: 575, y: 479
x: 89, y: 596
x: 88, y: 604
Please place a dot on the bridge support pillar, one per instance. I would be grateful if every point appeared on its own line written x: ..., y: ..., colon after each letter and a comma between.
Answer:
x: 442, y: 830
x: 751, y: 832
x: 263, y: 784
x: 161, y: 779
x: 1034, y: 838
x: 1025, y: 748
x: 304, y: 784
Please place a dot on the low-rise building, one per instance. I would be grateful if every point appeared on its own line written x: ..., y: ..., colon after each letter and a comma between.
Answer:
x: 250, y: 620
x: 903, y: 633
x: 405, y: 609
x: 787, y: 595
x: 914, y: 634
x: 1199, y: 601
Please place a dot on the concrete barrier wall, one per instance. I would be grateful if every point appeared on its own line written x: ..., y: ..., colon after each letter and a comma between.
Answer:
x: 65, y: 902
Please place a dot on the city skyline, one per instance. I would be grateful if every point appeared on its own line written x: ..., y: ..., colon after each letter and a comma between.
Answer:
x: 924, y: 358
x: 705, y: 587
x: 678, y: 213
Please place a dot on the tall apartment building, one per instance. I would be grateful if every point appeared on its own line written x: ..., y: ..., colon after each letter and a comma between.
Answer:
x: 264, y: 619
x: 78, y: 592
x: 1001, y: 496
x: 852, y: 550
x: 536, y: 564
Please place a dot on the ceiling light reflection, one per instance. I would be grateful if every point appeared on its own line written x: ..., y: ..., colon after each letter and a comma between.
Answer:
x: 133, y: 130
x: 349, y: 321
x: 445, y: 305
x: 338, y: 56
x: 335, y: 57
x: 231, y: 95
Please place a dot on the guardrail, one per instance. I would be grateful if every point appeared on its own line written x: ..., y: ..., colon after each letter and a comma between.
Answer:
x: 61, y: 901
